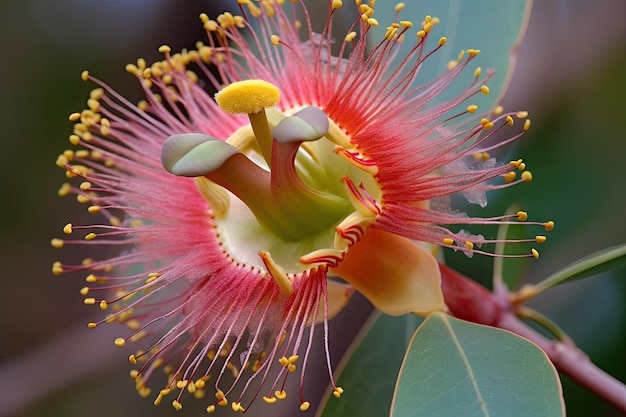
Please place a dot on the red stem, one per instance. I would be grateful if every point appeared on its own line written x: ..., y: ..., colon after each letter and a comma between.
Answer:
x: 470, y: 301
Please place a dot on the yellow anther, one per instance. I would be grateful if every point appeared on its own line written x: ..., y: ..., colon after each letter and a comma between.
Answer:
x: 472, y: 108
x: 337, y: 392
x: 249, y: 96
x: 336, y: 4
x: 83, y: 199
x: 182, y: 384
x: 84, y: 291
x: 74, y: 117
x: 86, y: 185
x: 516, y: 164
x: 427, y: 27
x: 522, y: 166
x: 204, y: 18
x: 91, y: 278
x: 219, y: 394
x: 509, y: 120
x: 57, y: 243
x: 488, y: 125
x: 210, y: 409
x: 372, y: 22
x: 134, y: 374
x: 120, y: 342
x: 165, y: 391
x: 191, y: 387
x: 281, y: 395
x: 498, y: 110
x: 548, y: 225
x: 305, y: 406
x: 133, y: 360
x: 223, y: 402
x: 164, y: 49
x: 90, y: 236
x: 469, y: 245
x: 540, y: 239
x: 509, y: 176
x: 448, y: 241
x: 485, y: 90
x: 237, y: 407
x: 442, y: 41
x: 158, y: 400
x: 84, y: 75
x: 177, y: 405
x: 275, y: 39
x: 103, y: 305
x: 74, y: 139
x: 521, y: 114
x: 93, y: 209
x: 522, y: 216
x: 473, y: 52
x: 399, y: 7
x: 477, y: 72
x: 421, y: 34
x: 526, y: 176
x: 278, y: 273
x: 89, y: 301
x: 283, y: 361
x: 91, y: 325
x: 526, y: 124
x: 269, y: 400
x: 535, y: 253
x: 350, y: 37
x: 292, y: 368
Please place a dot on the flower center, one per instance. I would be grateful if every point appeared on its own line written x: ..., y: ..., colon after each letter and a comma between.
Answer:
x: 283, y: 168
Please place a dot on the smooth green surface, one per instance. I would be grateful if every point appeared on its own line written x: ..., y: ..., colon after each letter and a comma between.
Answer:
x: 511, y: 271
x: 492, y: 26
x: 456, y: 368
x: 588, y: 266
x: 370, y: 368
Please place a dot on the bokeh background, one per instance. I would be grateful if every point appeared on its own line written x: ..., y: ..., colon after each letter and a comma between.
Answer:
x: 570, y: 75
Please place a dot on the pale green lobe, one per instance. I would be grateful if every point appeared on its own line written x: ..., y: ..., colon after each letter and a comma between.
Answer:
x: 309, y: 124
x: 194, y: 154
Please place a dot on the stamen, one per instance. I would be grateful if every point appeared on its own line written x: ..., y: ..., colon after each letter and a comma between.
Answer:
x: 251, y: 97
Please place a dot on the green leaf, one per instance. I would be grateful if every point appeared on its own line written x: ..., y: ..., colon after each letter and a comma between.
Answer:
x: 369, y: 369
x: 493, y: 26
x: 510, y: 271
x: 457, y: 368
x: 588, y: 266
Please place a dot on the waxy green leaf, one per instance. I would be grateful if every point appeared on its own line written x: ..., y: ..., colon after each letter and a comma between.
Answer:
x: 588, y: 266
x: 495, y: 27
x: 370, y: 368
x: 457, y: 368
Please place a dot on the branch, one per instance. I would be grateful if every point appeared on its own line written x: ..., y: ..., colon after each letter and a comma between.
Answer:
x: 470, y: 301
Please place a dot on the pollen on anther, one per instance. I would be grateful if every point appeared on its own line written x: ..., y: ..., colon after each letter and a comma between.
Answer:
x: 281, y: 395
x: 177, y: 405
x: 535, y: 253
x: 120, y: 342
x: 305, y: 406
x: 526, y: 124
x: 57, y: 243
x: 275, y: 39
x: 350, y: 37
x: 484, y: 88
x: 526, y: 176
x: 548, y: 226
x: 522, y: 216
x: 448, y: 241
x: 442, y: 41
x: 164, y: 49
x: 540, y: 239
x: 472, y: 108
x: 90, y: 236
x: 84, y: 75
x: 469, y: 245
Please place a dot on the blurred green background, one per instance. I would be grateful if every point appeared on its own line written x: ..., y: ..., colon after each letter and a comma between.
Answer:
x: 570, y: 76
